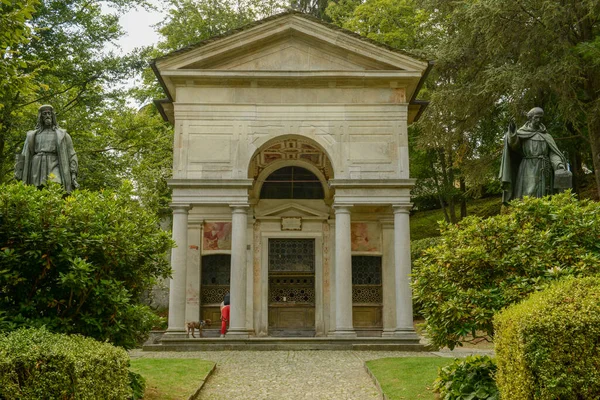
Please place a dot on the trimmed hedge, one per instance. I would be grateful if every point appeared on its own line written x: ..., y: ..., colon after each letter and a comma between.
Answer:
x: 548, y: 346
x: 36, y: 364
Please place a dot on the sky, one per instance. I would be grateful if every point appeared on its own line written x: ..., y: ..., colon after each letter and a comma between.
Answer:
x: 137, y: 25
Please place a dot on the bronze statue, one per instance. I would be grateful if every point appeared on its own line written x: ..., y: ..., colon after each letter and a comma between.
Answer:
x: 530, y: 160
x: 48, y: 154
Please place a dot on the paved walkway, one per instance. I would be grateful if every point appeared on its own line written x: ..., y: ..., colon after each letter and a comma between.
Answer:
x: 281, y: 375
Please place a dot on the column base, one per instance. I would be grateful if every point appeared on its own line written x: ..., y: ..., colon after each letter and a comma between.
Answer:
x: 408, y: 334
x: 388, y: 333
x: 237, y: 334
x: 175, y: 333
x: 344, y: 334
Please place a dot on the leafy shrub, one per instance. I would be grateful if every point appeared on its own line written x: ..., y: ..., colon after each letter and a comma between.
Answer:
x: 417, y: 249
x: 483, y: 265
x: 547, y: 346
x: 79, y: 264
x: 37, y: 364
x: 138, y: 385
x: 470, y: 378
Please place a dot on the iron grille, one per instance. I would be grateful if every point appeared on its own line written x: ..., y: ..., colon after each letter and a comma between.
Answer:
x: 216, y: 269
x: 292, y: 255
x: 366, y: 279
x: 292, y: 289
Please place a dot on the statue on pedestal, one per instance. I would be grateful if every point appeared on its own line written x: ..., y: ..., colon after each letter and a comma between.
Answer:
x: 531, y: 164
x: 48, y: 154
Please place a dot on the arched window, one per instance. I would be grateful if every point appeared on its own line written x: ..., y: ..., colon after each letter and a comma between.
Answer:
x: 292, y: 183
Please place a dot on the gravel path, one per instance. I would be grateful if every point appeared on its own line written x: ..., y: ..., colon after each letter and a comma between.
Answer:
x: 281, y: 375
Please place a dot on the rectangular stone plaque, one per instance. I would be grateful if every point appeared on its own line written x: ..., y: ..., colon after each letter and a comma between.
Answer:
x: 291, y: 224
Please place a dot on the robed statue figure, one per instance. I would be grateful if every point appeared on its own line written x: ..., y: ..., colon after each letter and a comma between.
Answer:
x: 48, y: 154
x: 530, y: 160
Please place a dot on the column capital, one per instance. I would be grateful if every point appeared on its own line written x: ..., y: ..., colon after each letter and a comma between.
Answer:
x: 180, y: 208
x: 342, y: 208
x: 402, y: 208
x: 239, y: 208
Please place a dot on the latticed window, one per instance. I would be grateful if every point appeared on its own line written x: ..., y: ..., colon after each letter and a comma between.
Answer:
x: 292, y: 255
x: 366, y: 279
x: 292, y: 183
x: 216, y: 272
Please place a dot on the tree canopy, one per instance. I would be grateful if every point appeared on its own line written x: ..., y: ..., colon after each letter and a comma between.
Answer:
x: 56, y: 52
x: 494, y: 60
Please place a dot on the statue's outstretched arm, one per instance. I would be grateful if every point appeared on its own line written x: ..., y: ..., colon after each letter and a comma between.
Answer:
x: 511, y: 135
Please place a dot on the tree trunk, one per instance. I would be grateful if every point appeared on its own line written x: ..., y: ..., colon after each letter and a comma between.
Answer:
x: 463, y: 198
x: 439, y: 190
x: 594, y: 132
x: 450, y: 190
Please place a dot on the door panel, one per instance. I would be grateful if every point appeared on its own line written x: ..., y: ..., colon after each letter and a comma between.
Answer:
x: 291, y: 286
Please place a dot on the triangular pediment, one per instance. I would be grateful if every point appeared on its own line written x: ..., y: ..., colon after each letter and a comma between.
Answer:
x: 290, y: 47
x: 295, y: 52
x: 289, y: 210
x: 285, y: 42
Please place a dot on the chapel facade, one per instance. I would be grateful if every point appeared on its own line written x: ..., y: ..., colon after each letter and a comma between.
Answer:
x: 291, y: 185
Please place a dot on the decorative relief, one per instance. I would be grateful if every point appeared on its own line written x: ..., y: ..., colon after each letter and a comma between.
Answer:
x: 291, y: 224
x: 366, y: 237
x: 292, y: 149
x: 213, y: 294
x: 216, y: 237
x: 292, y: 289
x: 256, y: 253
x: 371, y: 294
x: 326, y: 256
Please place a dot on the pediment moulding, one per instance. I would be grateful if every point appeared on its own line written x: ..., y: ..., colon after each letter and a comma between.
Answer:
x: 270, y: 211
x: 290, y: 49
x: 219, y: 52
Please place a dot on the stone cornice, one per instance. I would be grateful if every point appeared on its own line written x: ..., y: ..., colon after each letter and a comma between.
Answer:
x: 209, y: 183
x: 372, y: 183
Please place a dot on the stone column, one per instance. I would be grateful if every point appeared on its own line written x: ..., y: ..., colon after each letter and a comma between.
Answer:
x: 192, y: 282
x: 343, y: 273
x: 402, y: 268
x: 177, y: 283
x: 239, y: 221
x: 388, y: 266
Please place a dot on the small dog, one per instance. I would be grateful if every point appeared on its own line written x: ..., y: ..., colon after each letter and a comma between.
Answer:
x: 197, y: 325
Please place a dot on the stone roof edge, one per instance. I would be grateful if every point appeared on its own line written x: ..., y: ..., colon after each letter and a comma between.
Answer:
x: 276, y: 16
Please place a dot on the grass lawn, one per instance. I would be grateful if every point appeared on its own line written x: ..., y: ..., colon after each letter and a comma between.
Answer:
x: 407, y: 377
x: 424, y: 224
x: 171, y: 378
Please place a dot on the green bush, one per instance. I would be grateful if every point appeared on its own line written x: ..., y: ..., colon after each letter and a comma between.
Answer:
x: 483, y: 265
x: 37, y: 364
x: 138, y: 385
x: 548, y: 346
x: 417, y: 249
x: 468, y: 379
x: 79, y: 264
